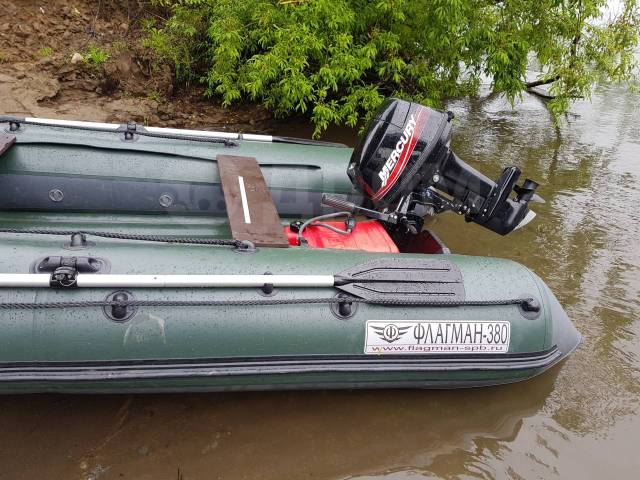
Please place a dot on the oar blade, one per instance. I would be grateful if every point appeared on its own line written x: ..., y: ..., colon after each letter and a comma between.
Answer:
x: 404, y: 279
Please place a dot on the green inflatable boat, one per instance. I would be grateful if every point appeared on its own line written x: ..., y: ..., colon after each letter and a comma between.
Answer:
x: 138, y: 259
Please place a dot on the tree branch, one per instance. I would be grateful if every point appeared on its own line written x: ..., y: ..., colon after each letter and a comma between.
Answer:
x: 540, y: 82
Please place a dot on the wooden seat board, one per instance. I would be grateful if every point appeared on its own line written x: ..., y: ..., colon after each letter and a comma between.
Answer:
x: 6, y: 141
x: 252, y: 214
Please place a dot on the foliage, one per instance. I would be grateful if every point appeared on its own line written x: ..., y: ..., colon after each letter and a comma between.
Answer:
x: 45, y: 52
x: 154, y: 96
x: 119, y: 46
x: 95, y: 56
x: 338, y: 59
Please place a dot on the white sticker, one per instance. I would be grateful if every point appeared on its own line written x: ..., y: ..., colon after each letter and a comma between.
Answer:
x: 406, y: 337
x: 245, y: 203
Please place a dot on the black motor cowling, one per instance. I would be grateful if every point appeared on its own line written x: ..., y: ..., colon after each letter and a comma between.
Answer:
x: 405, y: 159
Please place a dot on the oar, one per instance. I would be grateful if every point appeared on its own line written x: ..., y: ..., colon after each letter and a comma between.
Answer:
x: 383, y: 277
x: 87, y: 280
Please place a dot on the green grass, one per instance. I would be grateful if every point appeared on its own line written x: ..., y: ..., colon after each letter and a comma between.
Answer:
x: 119, y: 46
x: 154, y: 96
x: 45, y: 52
x: 95, y: 56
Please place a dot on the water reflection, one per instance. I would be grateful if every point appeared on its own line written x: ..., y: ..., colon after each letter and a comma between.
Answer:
x: 291, y: 435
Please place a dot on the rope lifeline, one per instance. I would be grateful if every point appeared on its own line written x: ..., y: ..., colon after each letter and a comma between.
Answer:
x: 258, y: 302
x: 128, y: 236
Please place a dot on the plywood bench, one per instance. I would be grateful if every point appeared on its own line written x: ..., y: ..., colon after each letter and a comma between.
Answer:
x: 6, y: 141
x: 252, y: 214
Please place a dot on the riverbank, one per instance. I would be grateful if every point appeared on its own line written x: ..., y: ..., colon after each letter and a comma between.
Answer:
x: 42, y: 73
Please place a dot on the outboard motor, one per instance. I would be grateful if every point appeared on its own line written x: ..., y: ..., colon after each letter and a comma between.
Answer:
x: 405, y: 168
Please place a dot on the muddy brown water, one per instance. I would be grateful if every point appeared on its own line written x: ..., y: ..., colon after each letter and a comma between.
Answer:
x: 580, y: 420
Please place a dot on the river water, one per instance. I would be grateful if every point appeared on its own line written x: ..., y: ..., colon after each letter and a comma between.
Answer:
x: 579, y: 420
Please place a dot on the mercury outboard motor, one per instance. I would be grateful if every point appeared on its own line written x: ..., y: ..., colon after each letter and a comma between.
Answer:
x: 405, y: 168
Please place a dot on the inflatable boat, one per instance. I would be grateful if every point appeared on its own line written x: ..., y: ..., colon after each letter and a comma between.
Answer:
x: 137, y: 259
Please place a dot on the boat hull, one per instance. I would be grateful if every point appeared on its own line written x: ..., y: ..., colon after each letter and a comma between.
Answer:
x: 257, y: 347
x: 69, y: 179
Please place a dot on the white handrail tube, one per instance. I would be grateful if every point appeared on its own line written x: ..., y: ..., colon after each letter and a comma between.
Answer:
x: 162, y: 130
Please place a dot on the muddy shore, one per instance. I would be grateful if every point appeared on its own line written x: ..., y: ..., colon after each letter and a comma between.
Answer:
x: 40, y: 77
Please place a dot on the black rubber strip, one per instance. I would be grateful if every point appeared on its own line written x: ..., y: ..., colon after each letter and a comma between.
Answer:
x: 281, y: 359
x: 224, y: 368
x: 304, y: 141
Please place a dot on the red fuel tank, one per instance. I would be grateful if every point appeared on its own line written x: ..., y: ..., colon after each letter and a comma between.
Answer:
x: 368, y: 236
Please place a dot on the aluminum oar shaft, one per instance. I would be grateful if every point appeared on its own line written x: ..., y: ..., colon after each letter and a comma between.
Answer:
x: 37, y: 280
